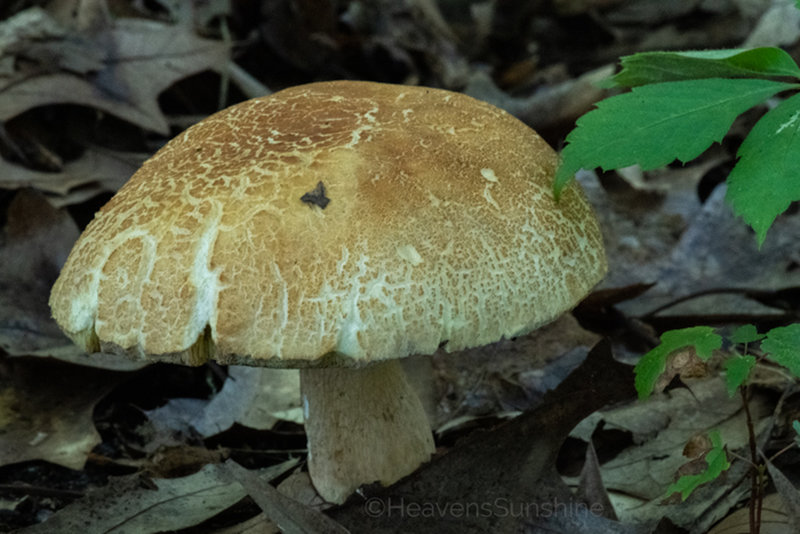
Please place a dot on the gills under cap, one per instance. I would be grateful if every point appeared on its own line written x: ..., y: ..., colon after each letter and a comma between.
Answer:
x: 336, y: 222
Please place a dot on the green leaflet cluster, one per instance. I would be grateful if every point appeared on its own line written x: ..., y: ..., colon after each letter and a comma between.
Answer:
x: 780, y: 345
x: 682, y: 102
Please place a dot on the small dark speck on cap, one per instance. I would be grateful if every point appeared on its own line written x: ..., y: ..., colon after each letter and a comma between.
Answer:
x: 316, y: 197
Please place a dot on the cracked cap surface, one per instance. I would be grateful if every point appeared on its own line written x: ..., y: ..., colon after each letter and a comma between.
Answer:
x: 440, y: 228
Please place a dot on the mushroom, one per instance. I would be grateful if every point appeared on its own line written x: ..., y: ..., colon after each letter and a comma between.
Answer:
x: 335, y: 227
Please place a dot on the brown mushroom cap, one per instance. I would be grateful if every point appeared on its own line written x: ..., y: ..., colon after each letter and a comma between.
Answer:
x: 441, y: 227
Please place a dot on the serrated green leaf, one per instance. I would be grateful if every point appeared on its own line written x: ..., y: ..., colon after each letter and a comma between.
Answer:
x: 657, y: 67
x: 765, y: 180
x: 655, y: 124
x: 717, y: 461
x: 746, y: 333
x: 782, y: 346
x: 737, y: 369
x: 652, y: 364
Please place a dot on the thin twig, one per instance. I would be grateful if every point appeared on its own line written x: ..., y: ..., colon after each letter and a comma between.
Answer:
x: 755, y: 493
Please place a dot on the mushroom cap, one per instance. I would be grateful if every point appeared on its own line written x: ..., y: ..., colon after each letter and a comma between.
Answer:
x: 441, y: 229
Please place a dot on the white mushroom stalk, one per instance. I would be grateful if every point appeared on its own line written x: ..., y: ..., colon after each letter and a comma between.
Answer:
x: 363, y: 425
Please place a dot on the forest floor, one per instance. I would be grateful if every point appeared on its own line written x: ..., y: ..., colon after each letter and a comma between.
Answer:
x: 540, y: 433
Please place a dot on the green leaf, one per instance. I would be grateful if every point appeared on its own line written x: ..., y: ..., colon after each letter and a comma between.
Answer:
x: 765, y: 180
x: 782, y: 346
x: 717, y: 461
x: 656, y: 67
x: 746, y: 333
x: 737, y: 369
x: 655, y: 124
x: 652, y: 364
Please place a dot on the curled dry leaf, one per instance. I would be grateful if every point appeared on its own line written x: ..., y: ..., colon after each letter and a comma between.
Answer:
x: 97, y: 170
x: 131, y: 62
x: 683, y: 363
x: 697, y: 446
x: 254, y: 397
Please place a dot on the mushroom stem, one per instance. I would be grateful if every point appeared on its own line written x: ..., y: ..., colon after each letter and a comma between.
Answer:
x: 363, y: 425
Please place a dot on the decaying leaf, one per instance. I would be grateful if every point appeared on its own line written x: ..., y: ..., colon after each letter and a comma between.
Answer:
x: 700, y: 471
x: 552, y: 106
x: 136, y: 505
x: 511, y: 374
x: 34, y: 244
x: 684, y: 363
x: 638, y: 476
x: 591, y: 489
x: 254, y: 397
x: 46, y: 410
x: 251, y: 396
x: 788, y: 492
x: 680, y: 353
x: 95, y: 171
x: 773, y: 519
x: 697, y: 446
x: 134, y: 60
x: 290, y: 515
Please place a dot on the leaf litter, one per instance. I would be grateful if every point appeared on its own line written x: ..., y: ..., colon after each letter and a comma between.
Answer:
x: 133, y: 61
x: 144, y: 68
x: 52, y: 423
x: 134, y: 504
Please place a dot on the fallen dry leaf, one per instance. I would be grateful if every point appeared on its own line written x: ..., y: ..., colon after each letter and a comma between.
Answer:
x: 553, y: 106
x: 773, y: 519
x: 95, y: 171
x: 254, y: 397
x: 46, y: 410
x: 591, y: 489
x: 637, y: 477
x: 134, y: 504
x: 683, y: 363
x: 789, y: 494
x: 134, y: 60
x: 251, y: 396
x: 686, y: 247
x: 34, y: 244
x: 779, y: 25
x: 290, y: 515
x: 511, y: 374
